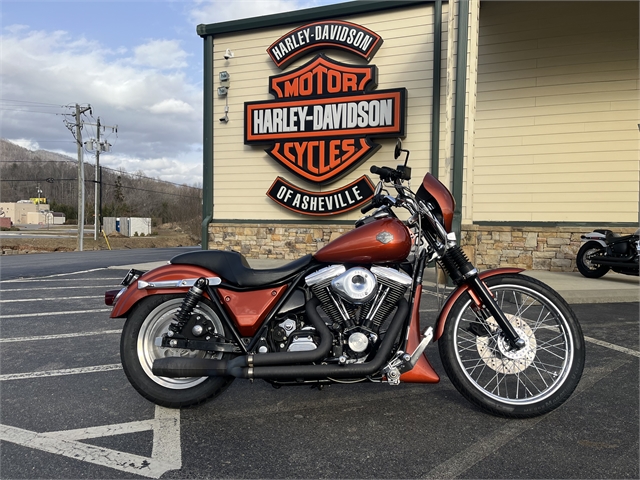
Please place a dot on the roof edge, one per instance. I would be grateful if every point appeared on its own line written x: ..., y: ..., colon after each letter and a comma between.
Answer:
x: 301, y: 16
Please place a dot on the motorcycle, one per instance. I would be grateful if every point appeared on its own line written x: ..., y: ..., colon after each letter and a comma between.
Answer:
x: 605, y: 250
x: 350, y: 313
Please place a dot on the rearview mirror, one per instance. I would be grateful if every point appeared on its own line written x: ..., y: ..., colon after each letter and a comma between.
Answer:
x: 398, y: 149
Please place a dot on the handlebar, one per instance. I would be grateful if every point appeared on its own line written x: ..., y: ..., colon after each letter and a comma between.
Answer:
x: 386, y: 174
x: 376, y: 201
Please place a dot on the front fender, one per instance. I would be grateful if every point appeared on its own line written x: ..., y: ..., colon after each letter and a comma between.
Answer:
x: 444, y: 313
x: 166, y: 272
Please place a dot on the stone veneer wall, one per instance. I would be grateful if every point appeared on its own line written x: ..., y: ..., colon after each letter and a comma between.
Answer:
x: 531, y: 248
x: 288, y: 241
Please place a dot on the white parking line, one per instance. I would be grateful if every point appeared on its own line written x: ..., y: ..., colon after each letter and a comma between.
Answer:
x: 49, y: 314
x: 75, y: 287
x: 612, y: 346
x: 53, y: 276
x: 50, y: 299
x: 56, y: 373
x: 42, y: 279
x: 166, y: 453
x: 459, y: 463
x: 58, y: 336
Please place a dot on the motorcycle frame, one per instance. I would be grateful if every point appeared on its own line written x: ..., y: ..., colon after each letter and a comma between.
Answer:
x: 410, y: 336
x: 439, y: 241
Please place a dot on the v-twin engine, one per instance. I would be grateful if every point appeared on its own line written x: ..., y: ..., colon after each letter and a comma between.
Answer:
x: 358, y: 297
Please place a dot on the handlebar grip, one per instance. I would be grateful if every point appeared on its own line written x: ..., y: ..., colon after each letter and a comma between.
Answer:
x: 387, y: 174
x: 368, y: 207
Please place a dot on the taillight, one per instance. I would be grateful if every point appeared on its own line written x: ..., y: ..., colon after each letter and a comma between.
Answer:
x: 112, y: 296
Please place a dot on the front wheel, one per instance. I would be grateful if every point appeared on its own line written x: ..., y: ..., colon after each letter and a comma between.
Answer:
x: 583, y: 260
x: 507, y: 382
x: 149, y: 320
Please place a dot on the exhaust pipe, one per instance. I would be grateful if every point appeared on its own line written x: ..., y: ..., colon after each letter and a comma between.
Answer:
x: 200, y: 367
x: 319, y: 372
x: 239, y: 367
x: 613, y: 261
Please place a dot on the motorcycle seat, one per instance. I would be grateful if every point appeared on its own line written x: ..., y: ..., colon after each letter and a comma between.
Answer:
x: 234, y: 268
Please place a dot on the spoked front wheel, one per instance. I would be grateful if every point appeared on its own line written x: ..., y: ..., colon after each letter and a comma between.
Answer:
x: 509, y: 382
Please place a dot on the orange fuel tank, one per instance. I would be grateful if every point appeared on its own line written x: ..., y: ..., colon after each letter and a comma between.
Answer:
x: 383, y: 241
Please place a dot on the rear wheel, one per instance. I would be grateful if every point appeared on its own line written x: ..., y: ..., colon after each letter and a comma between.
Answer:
x: 583, y: 262
x: 507, y: 382
x: 149, y: 320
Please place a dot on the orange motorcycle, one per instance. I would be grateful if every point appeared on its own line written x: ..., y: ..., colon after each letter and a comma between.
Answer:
x: 350, y: 313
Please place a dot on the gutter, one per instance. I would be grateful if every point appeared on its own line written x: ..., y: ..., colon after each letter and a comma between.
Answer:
x: 207, y: 142
x: 459, y: 122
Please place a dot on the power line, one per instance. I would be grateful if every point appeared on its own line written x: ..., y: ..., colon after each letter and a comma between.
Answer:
x: 150, y: 178
x: 104, y: 183
x: 33, y: 103
x: 119, y: 172
x: 147, y: 190
x: 28, y: 111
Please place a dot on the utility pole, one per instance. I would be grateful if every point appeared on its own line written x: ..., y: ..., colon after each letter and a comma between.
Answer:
x: 100, y: 147
x: 96, y: 222
x: 78, y: 125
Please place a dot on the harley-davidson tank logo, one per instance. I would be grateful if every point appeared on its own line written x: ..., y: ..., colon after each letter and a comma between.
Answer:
x: 325, y: 34
x: 320, y: 122
x: 384, y: 237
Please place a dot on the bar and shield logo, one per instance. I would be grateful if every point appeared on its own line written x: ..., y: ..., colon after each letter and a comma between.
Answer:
x: 320, y: 124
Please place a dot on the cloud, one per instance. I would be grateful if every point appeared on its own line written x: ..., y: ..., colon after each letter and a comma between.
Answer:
x: 161, y: 54
x: 215, y: 11
x: 25, y: 143
x: 171, y: 106
x: 151, y: 88
x: 144, y: 90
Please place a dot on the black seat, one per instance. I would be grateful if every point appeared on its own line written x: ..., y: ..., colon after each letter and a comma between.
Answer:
x: 234, y: 268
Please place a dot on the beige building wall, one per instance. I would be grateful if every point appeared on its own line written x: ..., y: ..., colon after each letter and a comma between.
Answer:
x: 243, y: 174
x: 20, y: 212
x: 556, y: 129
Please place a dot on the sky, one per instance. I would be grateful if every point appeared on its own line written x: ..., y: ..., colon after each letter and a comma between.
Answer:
x: 138, y: 64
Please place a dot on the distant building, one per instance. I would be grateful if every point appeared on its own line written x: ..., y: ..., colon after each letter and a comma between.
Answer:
x: 19, y: 212
x: 127, y: 226
x: 26, y: 212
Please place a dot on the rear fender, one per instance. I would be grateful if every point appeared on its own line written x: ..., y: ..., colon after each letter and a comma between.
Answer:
x: 596, y: 237
x: 444, y: 313
x: 134, y: 294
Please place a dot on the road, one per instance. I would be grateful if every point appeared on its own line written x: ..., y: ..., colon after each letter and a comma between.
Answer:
x: 43, y: 264
x: 67, y: 410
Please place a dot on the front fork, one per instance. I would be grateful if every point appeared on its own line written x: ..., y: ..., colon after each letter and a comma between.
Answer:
x: 462, y: 272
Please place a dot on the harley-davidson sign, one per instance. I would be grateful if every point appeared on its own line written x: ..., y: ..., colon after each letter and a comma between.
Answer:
x: 327, y: 34
x: 320, y: 123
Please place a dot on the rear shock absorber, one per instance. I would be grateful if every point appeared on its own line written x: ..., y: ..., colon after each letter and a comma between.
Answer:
x: 190, y: 301
x: 457, y: 265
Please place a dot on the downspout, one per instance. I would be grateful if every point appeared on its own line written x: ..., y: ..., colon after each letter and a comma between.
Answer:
x: 459, y: 121
x: 207, y: 142
x: 435, y: 109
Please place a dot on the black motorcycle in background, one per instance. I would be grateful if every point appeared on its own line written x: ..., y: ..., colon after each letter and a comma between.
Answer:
x: 605, y: 250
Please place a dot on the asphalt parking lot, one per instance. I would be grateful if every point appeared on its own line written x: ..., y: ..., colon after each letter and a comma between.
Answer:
x: 67, y: 410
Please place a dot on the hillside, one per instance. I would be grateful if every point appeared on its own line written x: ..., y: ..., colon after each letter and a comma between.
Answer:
x: 12, y: 152
x: 23, y: 171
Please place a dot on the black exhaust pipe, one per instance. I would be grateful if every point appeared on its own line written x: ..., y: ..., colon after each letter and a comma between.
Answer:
x: 240, y: 367
x: 614, y: 261
x: 356, y: 370
x: 201, y: 367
